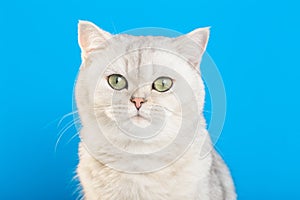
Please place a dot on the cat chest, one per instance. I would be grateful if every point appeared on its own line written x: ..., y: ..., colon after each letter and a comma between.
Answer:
x: 161, y: 186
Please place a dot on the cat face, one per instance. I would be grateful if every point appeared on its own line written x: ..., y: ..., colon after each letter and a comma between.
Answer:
x: 136, y: 90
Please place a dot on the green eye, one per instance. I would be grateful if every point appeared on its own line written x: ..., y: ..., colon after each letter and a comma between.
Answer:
x: 117, y: 81
x: 162, y: 84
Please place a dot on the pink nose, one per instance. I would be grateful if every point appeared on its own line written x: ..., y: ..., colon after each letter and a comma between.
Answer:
x: 138, y: 102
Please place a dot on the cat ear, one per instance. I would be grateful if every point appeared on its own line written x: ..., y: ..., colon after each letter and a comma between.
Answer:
x: 91, y: 37
x: 193, y: 45
x: 200, y: 36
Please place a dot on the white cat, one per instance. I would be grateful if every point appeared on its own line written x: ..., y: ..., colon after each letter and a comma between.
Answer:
x: 140, y: 100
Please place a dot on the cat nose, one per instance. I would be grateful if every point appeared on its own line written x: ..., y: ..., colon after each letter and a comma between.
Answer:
x: 138, y: 102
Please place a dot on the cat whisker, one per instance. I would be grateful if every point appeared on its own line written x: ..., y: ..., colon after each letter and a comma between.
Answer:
x: 65, y: 116
x: 207, y: 111
x: 99, y: 108
x: 67, y: 125
x: 173, y: 112
x: 76, y: 134
x: 113, y: 24
x: 63, y: 131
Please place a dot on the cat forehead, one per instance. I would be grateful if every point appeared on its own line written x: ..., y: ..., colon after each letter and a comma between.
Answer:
x: 147, y: 62
x: 131, y: 42
x: 135, y: 52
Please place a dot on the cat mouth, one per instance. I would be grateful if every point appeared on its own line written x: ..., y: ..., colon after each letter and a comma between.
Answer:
x: 140, y: 119
x: 139, y: 116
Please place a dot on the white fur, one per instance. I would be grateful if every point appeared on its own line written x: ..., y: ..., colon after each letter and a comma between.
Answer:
x: 190, y: 177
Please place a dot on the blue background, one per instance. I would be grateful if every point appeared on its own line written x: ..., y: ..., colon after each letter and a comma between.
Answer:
x: 254, y: 43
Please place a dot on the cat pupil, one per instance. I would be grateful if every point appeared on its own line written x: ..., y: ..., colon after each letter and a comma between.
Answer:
x: 118, y: 79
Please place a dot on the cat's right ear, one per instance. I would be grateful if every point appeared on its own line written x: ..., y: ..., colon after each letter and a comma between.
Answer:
x: 91, y: 37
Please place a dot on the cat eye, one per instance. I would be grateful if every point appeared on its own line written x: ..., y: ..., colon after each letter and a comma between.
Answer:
x: 162, y: 84
x: 117, y: 81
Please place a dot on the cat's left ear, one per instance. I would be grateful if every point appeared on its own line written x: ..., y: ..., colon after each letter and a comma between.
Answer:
x: 193, y: 45
x: 91, y: 37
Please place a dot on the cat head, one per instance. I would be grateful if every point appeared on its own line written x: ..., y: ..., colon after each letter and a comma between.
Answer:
x: 135, y: 91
